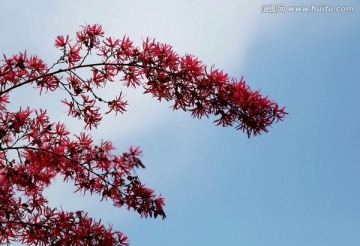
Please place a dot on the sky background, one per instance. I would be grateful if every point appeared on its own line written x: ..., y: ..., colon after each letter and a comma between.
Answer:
x: 296, y: 185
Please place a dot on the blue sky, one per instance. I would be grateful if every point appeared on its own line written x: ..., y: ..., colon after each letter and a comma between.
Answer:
x: 296, y: 185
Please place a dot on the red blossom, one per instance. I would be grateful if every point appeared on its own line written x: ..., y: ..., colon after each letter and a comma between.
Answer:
x: 74, y: 54
x: 89, y: 35
x: 33, y: 149
x: 61, y: 41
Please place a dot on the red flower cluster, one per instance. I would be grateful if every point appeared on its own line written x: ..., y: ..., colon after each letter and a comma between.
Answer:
x: 34, y: 150
x: 45, y: 149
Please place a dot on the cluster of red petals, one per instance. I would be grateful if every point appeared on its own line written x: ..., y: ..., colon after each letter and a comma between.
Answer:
x: 183, y: 79
x: 34, y: 150
x: 43, y: 150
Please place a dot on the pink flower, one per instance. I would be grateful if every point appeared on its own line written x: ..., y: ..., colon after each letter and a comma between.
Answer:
x: 61, y: 41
